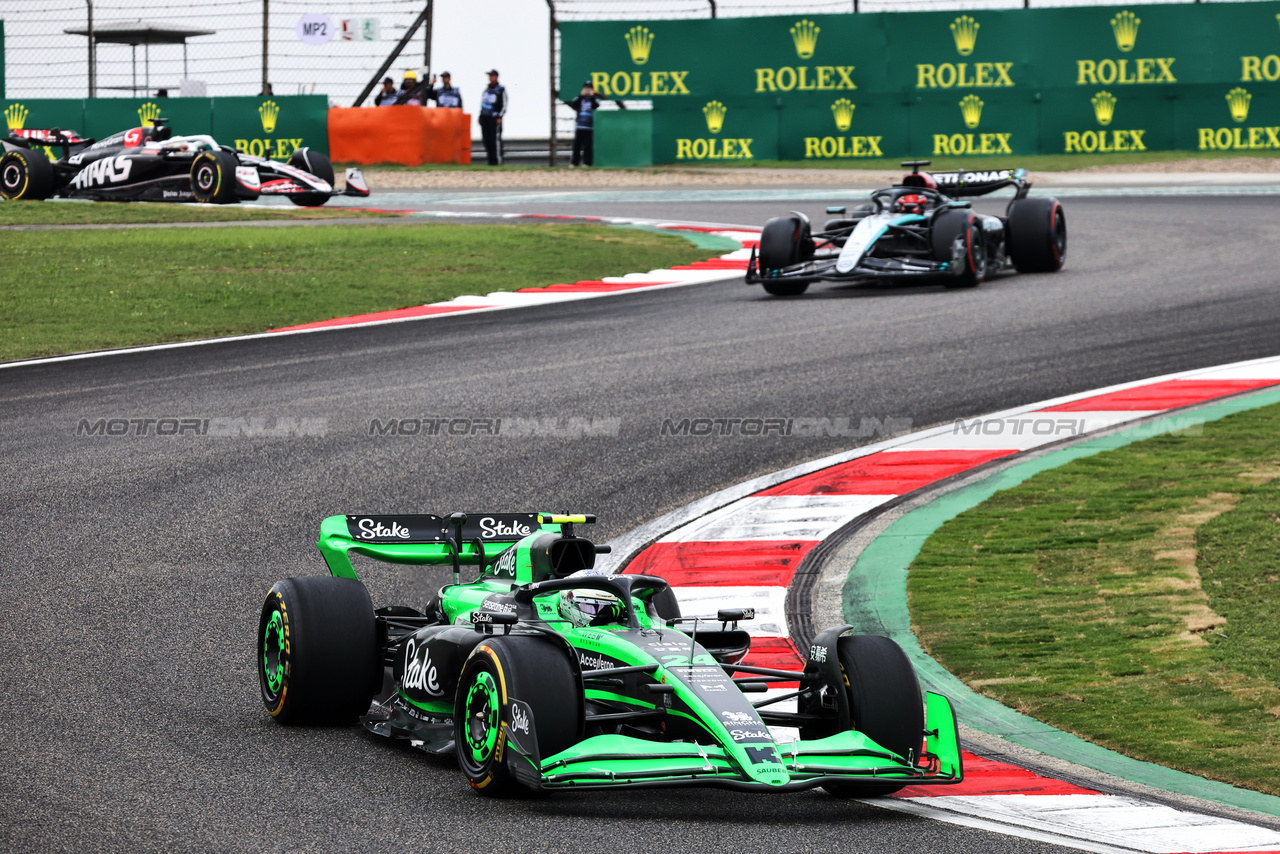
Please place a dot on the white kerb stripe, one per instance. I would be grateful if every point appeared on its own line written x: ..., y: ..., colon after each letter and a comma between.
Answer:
x: 777, y: 517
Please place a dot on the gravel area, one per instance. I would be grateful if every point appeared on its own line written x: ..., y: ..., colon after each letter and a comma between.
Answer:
x: 399, y: 179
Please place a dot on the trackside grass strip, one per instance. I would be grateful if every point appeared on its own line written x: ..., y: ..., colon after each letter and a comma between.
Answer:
x: 1131, y: 598
x: 63, y: 292
x: 130, y: 213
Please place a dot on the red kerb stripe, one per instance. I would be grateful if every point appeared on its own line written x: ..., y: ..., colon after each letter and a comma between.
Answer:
x: 1165, y: 395
x: 767, y: 563
x: 886, y: 473
x: 988, y: 777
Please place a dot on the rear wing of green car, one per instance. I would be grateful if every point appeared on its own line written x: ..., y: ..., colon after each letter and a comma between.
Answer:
x: 472, y: 539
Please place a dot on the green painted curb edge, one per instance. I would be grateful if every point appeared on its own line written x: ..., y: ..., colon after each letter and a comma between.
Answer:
x: 874, y: 599
x: 700, y: 239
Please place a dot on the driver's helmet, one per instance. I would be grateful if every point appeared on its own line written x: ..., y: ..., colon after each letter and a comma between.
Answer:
x: 910, y: 203
x: 586, y: 607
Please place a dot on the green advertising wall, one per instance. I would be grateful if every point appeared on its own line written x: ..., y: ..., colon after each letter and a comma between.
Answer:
x: 1009, y: 82
x: 265, y: 127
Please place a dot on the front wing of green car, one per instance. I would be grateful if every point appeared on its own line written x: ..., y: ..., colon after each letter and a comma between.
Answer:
x: 848, y: 757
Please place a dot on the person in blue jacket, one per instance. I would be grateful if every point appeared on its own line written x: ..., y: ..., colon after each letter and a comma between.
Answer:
x: 493, y: 105
x: 584, y: 107
x: 447, y: 95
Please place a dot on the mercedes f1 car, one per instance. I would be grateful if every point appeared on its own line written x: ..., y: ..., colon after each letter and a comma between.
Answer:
x: 150, y: 164
x: 545, y: 673
x: 919, y: 229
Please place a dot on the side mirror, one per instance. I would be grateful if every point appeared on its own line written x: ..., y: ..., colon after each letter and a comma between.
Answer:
x: 733, y: 615
x: 837, y: 209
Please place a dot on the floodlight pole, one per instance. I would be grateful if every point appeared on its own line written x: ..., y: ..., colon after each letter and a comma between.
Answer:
x: 555, y: 94
x: 93, y: 86
x: 264, y: 45
x: 426, y: 53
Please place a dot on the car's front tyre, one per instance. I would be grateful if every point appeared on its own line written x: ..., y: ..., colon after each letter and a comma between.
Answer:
x: 959, y: 239
x: 784, y: 241
x: 500, y: 671
x: 317, y: 164
x: 318, y: 658
x: 884, y: 698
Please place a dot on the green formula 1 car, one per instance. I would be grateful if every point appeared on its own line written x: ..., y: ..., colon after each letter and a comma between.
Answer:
x: 545, y: 673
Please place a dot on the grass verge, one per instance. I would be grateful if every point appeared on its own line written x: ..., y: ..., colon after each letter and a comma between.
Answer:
x: 130, y: 213
x: 97, y: 289
x: 1128, y: 598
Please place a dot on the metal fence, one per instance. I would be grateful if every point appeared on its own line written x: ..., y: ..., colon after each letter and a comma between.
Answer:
x: 43, y: 60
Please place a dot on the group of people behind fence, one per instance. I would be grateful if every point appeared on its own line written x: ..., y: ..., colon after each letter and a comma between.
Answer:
x: 493, y: 106
x: 416, y: 93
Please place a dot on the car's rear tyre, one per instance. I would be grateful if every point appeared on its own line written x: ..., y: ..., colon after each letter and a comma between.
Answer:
x: 884, y: 697
x: 318, y: 659
x: 959, y: 239
x: 532, y: 669
x: 317, y: 164
x: 26, y: 175
x: 1037, y: 235
x: 213, y: 177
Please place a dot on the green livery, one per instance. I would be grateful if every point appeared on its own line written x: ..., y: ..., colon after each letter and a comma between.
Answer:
x: 545, y: 673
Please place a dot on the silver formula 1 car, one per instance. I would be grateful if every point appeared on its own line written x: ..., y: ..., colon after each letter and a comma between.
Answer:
x: 921, y: 229
x: 150, y: 164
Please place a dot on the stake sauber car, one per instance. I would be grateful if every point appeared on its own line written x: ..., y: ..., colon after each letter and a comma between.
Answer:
x: 545, y: 673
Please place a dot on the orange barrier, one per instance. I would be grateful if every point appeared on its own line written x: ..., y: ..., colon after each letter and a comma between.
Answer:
x: 406, y: 135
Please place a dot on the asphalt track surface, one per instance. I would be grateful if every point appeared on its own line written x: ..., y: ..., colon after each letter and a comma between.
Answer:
x: 136, y: 565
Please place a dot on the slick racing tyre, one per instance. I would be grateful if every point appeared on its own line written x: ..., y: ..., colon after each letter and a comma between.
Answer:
x: 213, y: 177
x: 25, y: 174
x: 318, y: 660
x: 884, y: 697
x: 784, y: 241
x: 1037, y: 235
x: 958, y: 238
x: 499, y: 672
x: 317, y: 164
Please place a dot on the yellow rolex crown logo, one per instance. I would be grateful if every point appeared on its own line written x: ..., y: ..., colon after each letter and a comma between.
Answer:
x: 639, y: 41
x: 15, y: 115
x: 805, y: 35
x: 1104, y: 107
x: 843, y: 112
x: 1238, y: 100
x: 1125, y: 26
x: 148, y: 113
x: 965, y: 31
x: 714, y: 111
x: 971, y: 109
x: 269, y: 110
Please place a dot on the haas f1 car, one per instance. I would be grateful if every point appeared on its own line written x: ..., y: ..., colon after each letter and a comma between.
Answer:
x: 919, y: 229
x: 545, y: 673
x: 150, y: 164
